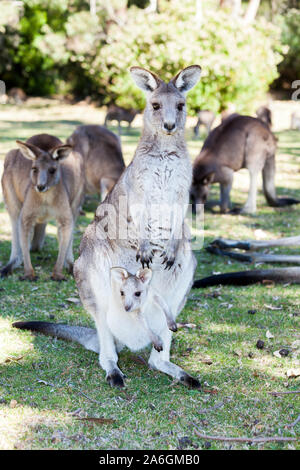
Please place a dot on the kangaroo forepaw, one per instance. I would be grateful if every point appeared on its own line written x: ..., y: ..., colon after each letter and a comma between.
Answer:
x: 145, y: 255
x: 116, y: 379
x: 190, y: 382
x: 172, y: 326
x: 158, y: 346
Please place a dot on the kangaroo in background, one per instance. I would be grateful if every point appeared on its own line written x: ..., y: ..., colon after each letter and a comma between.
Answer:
x: 160, y: 174
x: 264, y: 114
x: 102, y: 157
x: 117, y: 113
x: 42, y: 180
x: 205, y: 118
x: 239, y: 142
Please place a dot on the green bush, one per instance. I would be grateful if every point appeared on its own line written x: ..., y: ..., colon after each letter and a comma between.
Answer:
x: 238, y: 63
x: 59, y: 45
x: 289, y: 68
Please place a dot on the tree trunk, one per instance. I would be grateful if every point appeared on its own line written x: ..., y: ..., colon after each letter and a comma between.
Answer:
x: 251, y: 11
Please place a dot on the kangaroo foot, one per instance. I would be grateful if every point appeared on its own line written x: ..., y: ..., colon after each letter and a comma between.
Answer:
x: 116, y: 379
x: 190, y: 382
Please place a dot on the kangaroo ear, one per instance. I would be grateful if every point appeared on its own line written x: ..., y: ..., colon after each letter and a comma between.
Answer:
x: 28, y: 150
x: 61, y: 152
x: 144, y: 275
x: 119, y: 274
x: 187, y: 78
x: 208, y: 179
x: 145, y: 80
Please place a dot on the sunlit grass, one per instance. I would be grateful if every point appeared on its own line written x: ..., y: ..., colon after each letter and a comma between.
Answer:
x: 47, y: 384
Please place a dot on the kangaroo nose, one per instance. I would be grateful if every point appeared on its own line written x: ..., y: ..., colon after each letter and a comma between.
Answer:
x: 41, y: 187
x: 169, y: 126
x: 127, y: 308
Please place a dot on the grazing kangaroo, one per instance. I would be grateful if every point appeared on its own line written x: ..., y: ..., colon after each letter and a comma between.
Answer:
x: 264, y: 114
x: 102, y: 157
x: 239, y: 142
x: 127, y: 231
x: 223, y: 247
x: 117, y: 113
x: 205, y: 118
x: 41, y: 181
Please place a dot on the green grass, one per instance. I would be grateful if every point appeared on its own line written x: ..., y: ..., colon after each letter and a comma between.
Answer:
x: 47, y: 384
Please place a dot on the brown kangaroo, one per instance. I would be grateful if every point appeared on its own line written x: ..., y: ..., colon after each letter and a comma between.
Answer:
x: 40, y: 183
x: 102, y: 157
x: 239, y: 142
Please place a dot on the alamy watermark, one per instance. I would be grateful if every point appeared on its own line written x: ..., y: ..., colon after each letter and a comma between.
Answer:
x: 160, y: 224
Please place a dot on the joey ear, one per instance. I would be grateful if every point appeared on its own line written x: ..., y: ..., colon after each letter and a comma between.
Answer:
x: 119, y: 274
x: 208, y: 179
x: 144, y: 275
x: 28, y: 150
x: 145, y: 80
x: 61, y: 152
x: 187, y: 78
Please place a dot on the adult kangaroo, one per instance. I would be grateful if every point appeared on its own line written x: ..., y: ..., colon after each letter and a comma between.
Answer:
x: 239, y: 142
x: 127, y: 230
x: 42, y: 180
x: 102, y: 157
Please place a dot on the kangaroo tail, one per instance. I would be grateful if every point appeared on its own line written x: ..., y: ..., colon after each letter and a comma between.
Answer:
x: 268, y: 174
x: 244, y: 278
x: 87, y: 337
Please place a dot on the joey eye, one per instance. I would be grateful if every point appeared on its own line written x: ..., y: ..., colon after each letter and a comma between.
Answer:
x: 155, y: 106
x: 180, y: 106
x: 137, y: 294
x: 122, y: 293
x: 52, y: 171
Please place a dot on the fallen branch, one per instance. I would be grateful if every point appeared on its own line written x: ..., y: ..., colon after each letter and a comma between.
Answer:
x: 253, y: 440
x: 275, y: 394
x: 294, y: 423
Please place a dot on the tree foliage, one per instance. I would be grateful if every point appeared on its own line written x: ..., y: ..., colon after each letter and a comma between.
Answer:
x: 58, y: 46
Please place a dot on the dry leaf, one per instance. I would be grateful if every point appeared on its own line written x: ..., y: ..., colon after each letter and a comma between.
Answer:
x: 186, y: 325
x: 269, y: 335
x: 293, y: 373
x: 13, y: 403
x: 270, y: 307
x: 277, y: 354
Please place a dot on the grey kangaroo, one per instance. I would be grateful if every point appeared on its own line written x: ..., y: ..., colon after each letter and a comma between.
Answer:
x: 117, y: 113
x: 205, y: 118
x: 102, y: 157
x: 239, y: 142
x: 159, y: 176
x: 42, y: 180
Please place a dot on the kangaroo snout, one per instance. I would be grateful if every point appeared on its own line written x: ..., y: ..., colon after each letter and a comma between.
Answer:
x: 41, y: 187
x: 169, y: 126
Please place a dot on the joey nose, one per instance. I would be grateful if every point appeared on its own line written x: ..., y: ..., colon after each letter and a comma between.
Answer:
x: 169, y: 126
x: 127, y: 308
x: 41, y: 187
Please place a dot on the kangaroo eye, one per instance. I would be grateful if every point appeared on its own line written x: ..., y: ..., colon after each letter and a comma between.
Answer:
x: 137, y: 294
x: 155, y: 106
x: 52, y: 171
x: 180, y: 106
x: 122, y: 293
